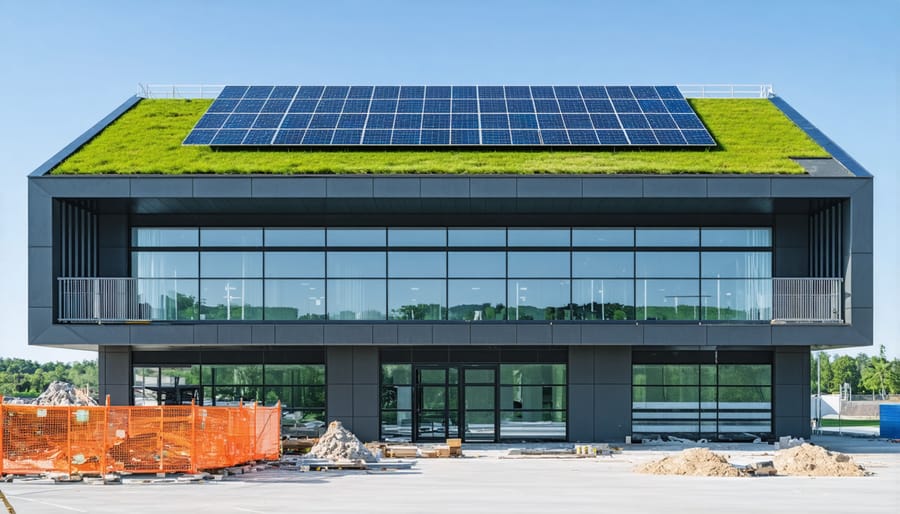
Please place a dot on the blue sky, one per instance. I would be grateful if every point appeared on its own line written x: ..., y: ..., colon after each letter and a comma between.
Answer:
x: 68, y: 64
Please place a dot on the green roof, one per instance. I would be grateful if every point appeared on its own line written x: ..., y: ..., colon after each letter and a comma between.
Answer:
x: 754, y: 136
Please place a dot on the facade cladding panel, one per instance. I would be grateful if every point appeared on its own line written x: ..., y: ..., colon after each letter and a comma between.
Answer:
x: 568, y: 308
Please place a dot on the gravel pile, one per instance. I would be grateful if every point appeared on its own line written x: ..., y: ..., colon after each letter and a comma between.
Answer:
x: 338, y: 443
x: 63, y: 393
x: 815, y: 461
x: 693, y: 461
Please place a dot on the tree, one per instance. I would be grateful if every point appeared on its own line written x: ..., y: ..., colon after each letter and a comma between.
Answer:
x: 877, y: 375
x: 844, y: 370
x: 824, y: 370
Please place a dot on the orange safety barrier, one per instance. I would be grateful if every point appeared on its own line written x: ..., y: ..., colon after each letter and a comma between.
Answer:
x: 164, y: 439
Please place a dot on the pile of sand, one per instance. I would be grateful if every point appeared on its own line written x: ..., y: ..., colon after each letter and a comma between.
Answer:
x: 338, y: 443
x: 815, y: 461
x: 694, y: 462
x: 63, y: 393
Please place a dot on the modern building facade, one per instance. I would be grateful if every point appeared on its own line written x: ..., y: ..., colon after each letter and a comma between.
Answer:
x: 507, y: 307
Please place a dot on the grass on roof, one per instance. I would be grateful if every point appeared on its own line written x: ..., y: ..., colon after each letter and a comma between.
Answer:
x: 754, y: 136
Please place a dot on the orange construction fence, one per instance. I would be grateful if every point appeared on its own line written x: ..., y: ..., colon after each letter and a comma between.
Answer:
x: 106, y: 439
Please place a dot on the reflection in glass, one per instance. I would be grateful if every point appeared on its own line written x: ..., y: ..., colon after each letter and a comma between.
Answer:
x: 230, y: 264
x: 668, y: 237
x: 603, y: 237
x: 480, y: 425
x: 736, y: 264
x: 603, y: 299
x: 538, y: 264
x: 231, y: 237
x: 164, y: 237
x: 356, y: 299
x: 417, y: 237
x: 525, y: 425
x: 356, y: 236
x: 662, y: 299
x: 736, y: 299
x: 396, y: 374
x: 603, y: 264
x: 477, y: 236
x: 416, y: 299
x: 736, y: 236
x: 295, y: 237
x: 231, y: 299
x: 356, y: 264
x: 477, y: 264
x: 168, y: 299
x: 417, y: 264
x: 295, y: 374
x: 295, y: 299
x: 396, y: 425
x: 668, y: 264
x: 477, y: 300
x: 164, y: 264
x: 295, y: 264
x: 533, y: 299
x: 538, y: 237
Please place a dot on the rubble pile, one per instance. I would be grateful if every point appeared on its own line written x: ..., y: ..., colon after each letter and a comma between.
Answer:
x: 694, y: 462
x: 815, y: 461
x: 338, y: 443
x: 63, y: 393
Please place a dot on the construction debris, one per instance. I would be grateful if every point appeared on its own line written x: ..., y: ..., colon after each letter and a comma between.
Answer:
x: 815, y: 461
x: 339, y: 444
x: 64, y: 393
x: 694, y: 462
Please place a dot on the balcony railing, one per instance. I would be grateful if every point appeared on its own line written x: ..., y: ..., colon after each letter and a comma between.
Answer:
x: 100, y: 300
x: 117, y: 300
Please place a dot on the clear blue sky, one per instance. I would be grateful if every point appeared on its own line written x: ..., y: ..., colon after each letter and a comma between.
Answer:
x: 65, y: 65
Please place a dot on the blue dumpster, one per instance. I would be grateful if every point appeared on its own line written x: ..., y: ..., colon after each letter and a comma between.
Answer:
x: 890, y: 420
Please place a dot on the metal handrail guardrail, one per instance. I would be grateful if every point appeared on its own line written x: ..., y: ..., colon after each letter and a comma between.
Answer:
x: 807, y: 300
x: 179, y: 90
x: 100, y: 300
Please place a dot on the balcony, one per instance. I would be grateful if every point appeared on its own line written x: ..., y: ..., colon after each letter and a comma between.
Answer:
x: 118, y: 300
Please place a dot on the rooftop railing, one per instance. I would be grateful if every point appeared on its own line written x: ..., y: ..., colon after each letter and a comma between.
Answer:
x: 807, y: 300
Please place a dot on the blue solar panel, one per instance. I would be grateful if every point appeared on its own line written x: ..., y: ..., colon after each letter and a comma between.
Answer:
x: 413, y: 115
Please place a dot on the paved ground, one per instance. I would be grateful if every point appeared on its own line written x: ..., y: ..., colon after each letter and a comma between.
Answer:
x: 486, y: 483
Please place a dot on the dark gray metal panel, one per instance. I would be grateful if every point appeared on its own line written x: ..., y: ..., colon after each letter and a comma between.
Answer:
x: 809, y: 187
x: 339, y: 402
x: 348, y: 334
x: 493, y: 334
x: 88, y: 334
x: 674, y: 187
x: 444, y: 187
x: 339, y: 365
x: 206, y: 334
x: 788, y: 400
x: 581, y: 412
x: 824, y: 167
x: 235, y: 334
x: 450, y: 334
x: 534, y: 334
x: 612, y: 334
x: 349, y: 187
x: 548, y: 187
x: 818, y: 335
x: 566, y: 333
x: 790, y: 262
x: 612, y: 187
x: 673, y: 335
x: 366, y: 428
x: 859, y: 283
x: 287, y: 187
x: 61, y: 186
x: 612, y: 412
x: 39, y: 319
x: 263, y: 334
x: 365, y: 400
x: 793, y: 426
x: 406, y: 187
x: 169, y: 187
x: 744, y: 335
x: 40, y: 215
x: 581, y: 365
x: 365, y: 367
x: 791, y: 245
x: 222, y: 187
x: 300, y: 334
x: 172, y: 334
x: 40, y: 280
x: 384, y: 334
x: 612, y: 365
x: 414, y: 334
x: 863, y: 321
x: 862, y: 218
x: 789, y: 363
x: 112, y: 262
x: 724, y: 187
x: 492, y: 187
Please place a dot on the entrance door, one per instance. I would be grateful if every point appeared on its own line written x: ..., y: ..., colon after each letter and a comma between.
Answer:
x: 437, y: 403
x: 479, y: 402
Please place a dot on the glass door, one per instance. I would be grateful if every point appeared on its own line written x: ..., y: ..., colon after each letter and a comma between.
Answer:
x: 480, y: 403
x: 437, y: 403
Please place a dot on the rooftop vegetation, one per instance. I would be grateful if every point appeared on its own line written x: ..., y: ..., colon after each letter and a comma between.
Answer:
x: 753, y: 135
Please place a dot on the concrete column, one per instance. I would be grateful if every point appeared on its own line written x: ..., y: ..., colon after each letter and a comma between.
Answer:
x: 114, y: 370
x: 352, y: 388
x: 790, y: 392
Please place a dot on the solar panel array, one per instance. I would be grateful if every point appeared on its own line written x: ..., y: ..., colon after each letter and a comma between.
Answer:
x: 397, y: 116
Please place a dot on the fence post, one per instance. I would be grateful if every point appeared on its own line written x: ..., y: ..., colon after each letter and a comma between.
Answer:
x: 159, y: 440
x: 278, y: 426
x: 69, y: 440
x: 193, y: 436
x: 105, y: 440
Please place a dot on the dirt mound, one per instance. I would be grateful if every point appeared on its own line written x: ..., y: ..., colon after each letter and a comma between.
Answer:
x: 63, y: 393
x: 338, y: 443
x: 694, y: 462
x: 815, y: 461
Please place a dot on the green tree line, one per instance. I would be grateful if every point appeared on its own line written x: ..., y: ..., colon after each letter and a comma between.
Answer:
x: 865, y: 374
x: 27, y: 379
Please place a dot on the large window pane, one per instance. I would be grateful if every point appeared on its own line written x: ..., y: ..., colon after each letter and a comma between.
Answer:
x: 603, y: 237
x: 396, y: 425
x: 541, y: 397
x: 295, y: 237
x: 231, y: 237
x: 735, y: 299
x: 356, y: 264
x: 164, y: 236
x: 168, y: 299
x: 736, y: 264
x: 417, y: 237
x: 668, y: 237
x: 477, y: 236
x: 164, y: 264
x: 230, y: 264
x: 538, y: 237
x: 538, y: 264
x: 603, y: 264
x: 295, y: 299
x: 356, y: 299
x: 356, y: 237
x: 668, y: 299
x: 477, y: 300
x: 532, y: 299
x: 295, y: 374
x: 603, y: 299
x: 745, y: 374
x: 417, y: 264
x: 668, y: 264
x: 398, y: 374
x: 232, y: 374
x: 532, y: 374
x: 736, y: 236
x: 233, y: 299
x: 532, y: 425
x: 477, y: 264
x: 416, y: 299
x: 295, y: 264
